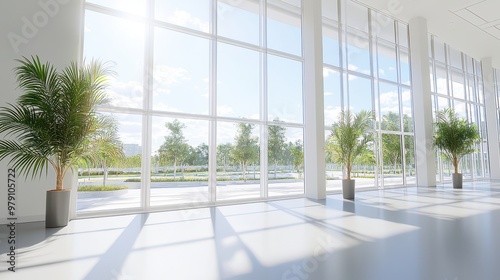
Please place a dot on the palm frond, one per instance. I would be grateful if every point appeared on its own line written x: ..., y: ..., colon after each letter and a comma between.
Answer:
x: 349, y: 137
x: 454, y: 137
x: 54, y: 117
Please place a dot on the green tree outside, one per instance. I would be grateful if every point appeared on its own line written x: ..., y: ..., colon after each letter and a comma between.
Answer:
x: 276, y: 144
x: 175, y: 149
x: 246, y: 148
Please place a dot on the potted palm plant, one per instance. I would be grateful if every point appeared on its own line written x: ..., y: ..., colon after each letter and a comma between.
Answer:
x: 50, y: 124
x: 348, y: 141
x: 455, y: 138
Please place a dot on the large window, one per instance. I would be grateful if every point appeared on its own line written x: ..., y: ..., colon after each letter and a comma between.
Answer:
x: 457, y: 80
x: 369, y: 71
x: 207, y: 101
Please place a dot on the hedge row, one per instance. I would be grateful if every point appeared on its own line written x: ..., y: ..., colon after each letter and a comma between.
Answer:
x: 100, y: 188
x: 180, y: 179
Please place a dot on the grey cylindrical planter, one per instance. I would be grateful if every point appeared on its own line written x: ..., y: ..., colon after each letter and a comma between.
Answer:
x: 457, y: 180
x: 57, y: 208
x: 348, y: 188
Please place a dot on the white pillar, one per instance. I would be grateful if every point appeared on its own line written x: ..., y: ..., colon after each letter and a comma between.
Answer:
x: 425, y: 158
x: 491, y: 118
x: 314, y: 134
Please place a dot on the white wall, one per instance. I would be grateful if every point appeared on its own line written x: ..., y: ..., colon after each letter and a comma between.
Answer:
x: 50, y: 29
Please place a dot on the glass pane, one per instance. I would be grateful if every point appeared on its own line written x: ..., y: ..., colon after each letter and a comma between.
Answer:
x: 360, y: 94
x: 392, y: 156
x: 460, y: 109
x: 478, y: 68
x: 179, y: 161
x: 477, y: 165
x: 410, y: 160
x: 284, y: 27
x: 286, y: 160
x: 121, y: 42
x: 119, y: 170
x: 389, y: 107
x: 285, y: 89
x: 331, y: 80
x: 387, y: 65
x: 465, y: 166
x: 358, y: 53
x: 191, y: 14
x: 357, y: 16
x: 480, y: 93
x: 238, y: 151
x: 482, y: 124
x: 469, y: 62
x: 405, y: 67
x: 383, y: 27
x: 441, y: 79
x: 333, y: 171
x: 471, y: 93
x: 407, y: 110
x: 455, y: 58
x: 403, y: 34
x: 238, y: 84
x: 457, y: 83
x: 439, y: 53
x: 329, y: 10
x: 331, y: 44
x: 472, y: 113
x: 137, y: 7
x: 180, y: 74
x: 443, y: 103
x: 363, y: 170
x: 239, y: 20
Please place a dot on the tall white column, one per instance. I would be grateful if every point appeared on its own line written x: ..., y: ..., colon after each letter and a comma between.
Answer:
x: 491, y: 118
x: 425, y: 158
x: 314, y: 134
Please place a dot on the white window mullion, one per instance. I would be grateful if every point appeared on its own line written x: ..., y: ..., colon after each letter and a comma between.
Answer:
x: 148, y: 81
x: 212, y: 142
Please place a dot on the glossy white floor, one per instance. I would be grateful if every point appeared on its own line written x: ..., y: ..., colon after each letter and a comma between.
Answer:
x: 436, y: 233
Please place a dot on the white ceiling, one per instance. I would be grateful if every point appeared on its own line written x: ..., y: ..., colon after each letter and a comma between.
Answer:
x: 471, y: 26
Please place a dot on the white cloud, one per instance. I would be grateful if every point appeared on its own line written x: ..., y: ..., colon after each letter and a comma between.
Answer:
x: 442, y: 85
x: 389, y: 102
x: 224, y: 110
x: 327, y: 72
x: 331, y: 115
x: 165, y: 76
x: 406, y: 98
x: 184, y: 18
x: 327, y: 93
x: 352, y: 67
x: 254, y: 116
x: 125, y: 94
